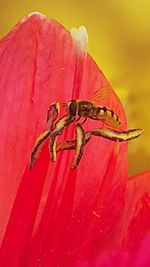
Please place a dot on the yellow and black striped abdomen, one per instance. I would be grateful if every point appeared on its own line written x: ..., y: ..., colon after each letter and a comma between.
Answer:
x: 90, y: 110
x: 108, y: 117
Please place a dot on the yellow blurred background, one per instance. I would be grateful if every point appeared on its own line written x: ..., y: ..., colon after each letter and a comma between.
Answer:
x: 119, y: 35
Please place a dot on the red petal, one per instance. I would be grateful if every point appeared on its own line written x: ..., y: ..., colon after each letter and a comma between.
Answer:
x: 140, y: 257
x: 33, y: 60
x: 38, y: 66
x: 136, y: 218
x: 22, y: 219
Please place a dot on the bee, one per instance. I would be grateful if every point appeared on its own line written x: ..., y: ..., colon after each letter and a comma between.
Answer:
x: 89, y: 109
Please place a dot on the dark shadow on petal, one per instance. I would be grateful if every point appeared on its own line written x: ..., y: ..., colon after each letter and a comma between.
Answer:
x: 21, y: 222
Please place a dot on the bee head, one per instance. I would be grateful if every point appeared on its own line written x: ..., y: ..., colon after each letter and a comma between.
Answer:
x: 72, y: 107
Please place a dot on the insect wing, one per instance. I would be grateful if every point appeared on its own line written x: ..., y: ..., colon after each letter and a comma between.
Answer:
x: 101, y: 94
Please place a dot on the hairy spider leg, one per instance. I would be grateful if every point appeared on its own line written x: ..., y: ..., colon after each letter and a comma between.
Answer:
x: 85, y: 119
x: 78, y: 118
x: 58, y: 130
x: 117, y: 136
x: 40, y: 141
x: 53, y: 111
x: 42, y: 138
x: 80, y: 144
x: 104, y: 133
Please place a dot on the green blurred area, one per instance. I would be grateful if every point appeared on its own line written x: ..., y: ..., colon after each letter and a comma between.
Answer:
x: 119, y: 34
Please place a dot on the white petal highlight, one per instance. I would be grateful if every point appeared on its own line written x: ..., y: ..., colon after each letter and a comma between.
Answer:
x: 80, y: 39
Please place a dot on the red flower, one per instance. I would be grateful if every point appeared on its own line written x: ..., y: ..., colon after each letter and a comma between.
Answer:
x: 134, y: 229
x: 140, y: 257
x: 59, y: 216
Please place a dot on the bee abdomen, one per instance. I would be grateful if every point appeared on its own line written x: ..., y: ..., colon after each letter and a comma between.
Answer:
x: 106, y: 111
x: 116, y: 118
x: 109, y: 113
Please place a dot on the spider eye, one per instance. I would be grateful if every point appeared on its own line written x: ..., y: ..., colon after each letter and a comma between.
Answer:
x: 73, y: 108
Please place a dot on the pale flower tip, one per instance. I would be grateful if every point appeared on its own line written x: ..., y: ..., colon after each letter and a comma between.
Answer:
x: 33, y: 14
x: 80, y: 39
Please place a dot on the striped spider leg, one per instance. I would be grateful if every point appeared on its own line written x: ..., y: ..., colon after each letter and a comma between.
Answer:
x: 58, y: 130
x: 82, y: 138
x: 52, y: 115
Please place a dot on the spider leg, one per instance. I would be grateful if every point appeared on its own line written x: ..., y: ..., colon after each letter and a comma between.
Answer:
x: 53, y: 111
x: 79, y: 117
x: 80, y: 144
x: 83, y: 138
x: 42, y: 138
x: 115, y: 135
x: 40, y: 141
x: 58, y: 130
x: 71, y: 144
x: 101, y: 132
x: 85, y: 119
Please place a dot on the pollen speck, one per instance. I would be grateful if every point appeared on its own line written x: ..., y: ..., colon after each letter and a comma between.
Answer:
x: 96, y: 214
